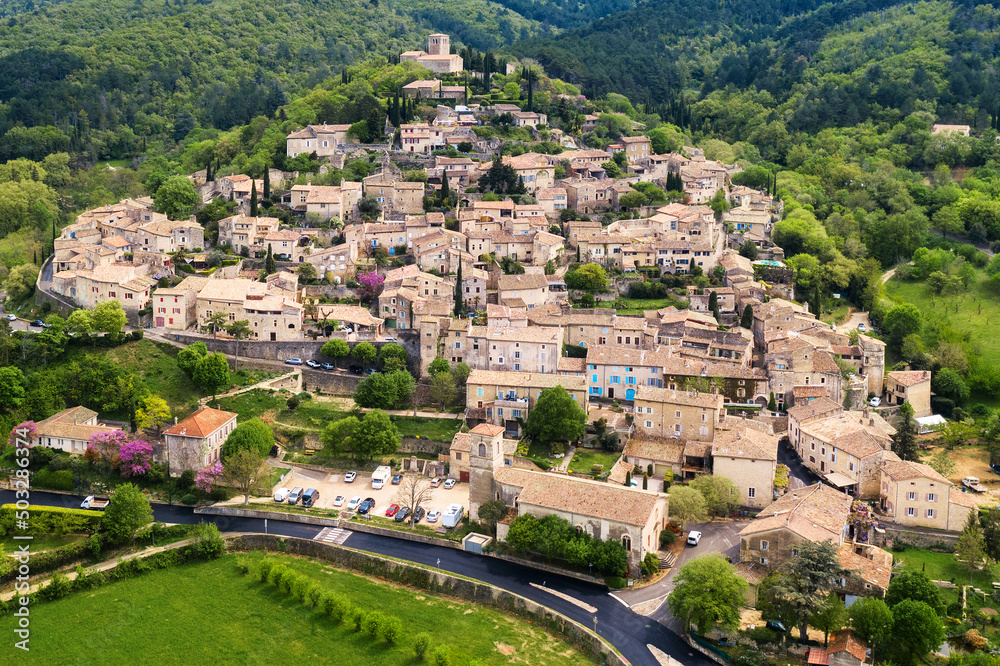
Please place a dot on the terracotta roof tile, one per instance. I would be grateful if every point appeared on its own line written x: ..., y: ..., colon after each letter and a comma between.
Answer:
x: 202, y: 423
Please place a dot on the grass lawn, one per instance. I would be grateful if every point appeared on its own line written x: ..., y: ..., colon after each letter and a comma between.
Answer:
x: 978, y: 314
x: 945, y: 566
x: 252, y: 403
x: 635, y: 306
x: 438, y: 430
x: 41, y: 541
x: 836, y: 315
x: 585, y: 459
x: 209, y: 613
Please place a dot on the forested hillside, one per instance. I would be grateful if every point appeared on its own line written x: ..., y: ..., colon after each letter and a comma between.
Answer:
x: 111, y: 75
x: 823, y: 64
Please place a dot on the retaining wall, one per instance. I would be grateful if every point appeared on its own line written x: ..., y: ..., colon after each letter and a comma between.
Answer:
x: 272, y: 515
x: 436, y: 581
x: 919, y: 538
x: 400, y: 534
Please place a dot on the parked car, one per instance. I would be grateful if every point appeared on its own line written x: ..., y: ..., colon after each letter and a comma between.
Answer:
x: 367, y: 505
x: 353, y: 504
x: 418, y: 514
x: 390, y: 339
x: 397, y: 479
x: 432, y: 516
x: 775, y: 626
x: 295, y: 495
x: 281, y: 494
x: 875, y: 402
x: 402, y: 514
x: 357, y: 370
x: 293, y: 361
x: 328, y: 366
x: 12, y: 317
x: 350, y: 476
x: 693, y: 538
x: 861, y: 327
x: 310, y: 497
x: 371, y: 371
x: 339, y: 500
x: 391, y: 511
x: 95, y: 503
x: 38, y: 323
x: 312, y: 364
x: 449, y: 484
x: 435, y: 482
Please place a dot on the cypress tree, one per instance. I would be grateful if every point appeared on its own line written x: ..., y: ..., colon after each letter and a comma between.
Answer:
x: 253, y: 199
x: 772, y: 404
x: 445, y: 192
x: 269, y: 266
x: 628, y: 479
x: 459, y: 306
x: 746, y: 321
x: 713, y: 304
x: 267, y: 182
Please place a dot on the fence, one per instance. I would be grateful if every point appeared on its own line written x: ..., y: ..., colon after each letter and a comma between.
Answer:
x: 709, y: 650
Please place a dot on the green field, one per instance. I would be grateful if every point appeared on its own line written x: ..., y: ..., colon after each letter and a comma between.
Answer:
x: 209, y: 613
x: 945, y: 566
x: 585, y: 459
x: 977, y: 317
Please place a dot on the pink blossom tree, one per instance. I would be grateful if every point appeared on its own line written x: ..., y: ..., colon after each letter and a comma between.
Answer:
x: 205, y: 478
x: 135, y: 458
x: 23, y: 431
x: 370, y: 285
x: 104, y: 447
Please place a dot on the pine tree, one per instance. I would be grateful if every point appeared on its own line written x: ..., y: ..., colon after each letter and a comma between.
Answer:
x: 269, y: 261
x: 267, y: 182
x: 253, y: 199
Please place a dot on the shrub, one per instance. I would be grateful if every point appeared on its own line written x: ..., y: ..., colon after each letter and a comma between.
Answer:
x: 58, y: 587
x: 420, y: 644
x: 243, y: 564
x: 761, y: 635
x: 186, y: 480
x: 189, y: 499
x: 210, y: 543
x: 391, y: 629
x: 275, y: 574
x: 650, y: 564
x: 61, y: 480
x: 337, y: 606
x: 287, y: 582
x: 975, y: 640
x: 373, y: 623
x: 300, y: 588
x: 264, y: 569
x: 315, y: 593
x: 45, y: 519
x: 441, y: 656
x: 218, y: 495
x: 358, y: 618
x: 615, y: 582
x: 95, y: 545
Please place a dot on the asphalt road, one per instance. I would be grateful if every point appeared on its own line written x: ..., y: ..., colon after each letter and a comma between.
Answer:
x: 627, y: 631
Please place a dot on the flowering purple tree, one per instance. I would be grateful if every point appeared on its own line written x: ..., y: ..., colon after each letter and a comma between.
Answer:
x: 208, y: 476
x: 23, y: 431
x: 370, y: 285
x: 105, y: 447
x: 135, y: 458
x: 862, y: 519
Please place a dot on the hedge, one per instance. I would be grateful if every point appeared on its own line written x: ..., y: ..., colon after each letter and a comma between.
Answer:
x: 50, y: 519
x: 48, y: 560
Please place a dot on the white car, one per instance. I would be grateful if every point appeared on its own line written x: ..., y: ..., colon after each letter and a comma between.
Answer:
x: 693, y: 538
x: 433, y: 516
x: 339, y: 500
x: 353, y: 504
x: 861, y: 327
x: 12, y: 317
x: 875, y: 402
x: 350, y: 476
x: 281, y: 494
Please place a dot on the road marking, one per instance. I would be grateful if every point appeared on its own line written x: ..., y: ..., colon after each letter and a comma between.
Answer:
x: 619, y: 599
x: 565, y: 597
x: 729, y: 544
x: 336, y: 535
x: 649, y: 607
x: 661, y: 656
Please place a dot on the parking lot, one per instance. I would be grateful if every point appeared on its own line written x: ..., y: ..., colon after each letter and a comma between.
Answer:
x: 332, y: 485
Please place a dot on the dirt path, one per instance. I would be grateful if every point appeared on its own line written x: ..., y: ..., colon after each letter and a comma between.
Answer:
x: 103, y: 566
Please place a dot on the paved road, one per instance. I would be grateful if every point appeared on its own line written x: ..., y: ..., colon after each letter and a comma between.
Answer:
x: 627, y: 631
x: 799, y: 475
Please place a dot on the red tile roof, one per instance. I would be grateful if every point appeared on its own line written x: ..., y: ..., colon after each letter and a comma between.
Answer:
x: 202, y: 423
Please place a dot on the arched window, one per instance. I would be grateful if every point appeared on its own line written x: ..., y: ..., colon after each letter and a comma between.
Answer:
x: 482, y: 450
x: 627, y: 542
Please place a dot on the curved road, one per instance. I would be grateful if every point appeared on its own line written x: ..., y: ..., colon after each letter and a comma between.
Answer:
x: 618, y: 625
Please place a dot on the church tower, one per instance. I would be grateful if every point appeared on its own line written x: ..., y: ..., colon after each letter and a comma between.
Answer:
x: 485, y: 458
x: 438, y: 45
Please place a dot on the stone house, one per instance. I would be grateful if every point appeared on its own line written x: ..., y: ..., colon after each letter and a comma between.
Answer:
x: 915, y: 495
x: 912, y: 386
x: 534, y: 349
x: 665, y: 454
x: 748, y: 458
x: 530, y: 288
x: 394, y: 194
x: 271, y: 316
x: 551, y: 199
x: 176, y: 308
x: 339, y: 261
x: 422, y: 89
x: 240, y: 231
x: 170, y: 236
x: 70, y: 430
x: 196, y: 442
x: 616, y: 373
x: 438, y: 58
x: 637, y: 148
x: 320, y: 139
x: 128, y: 284
x: 662, y: 412
x: 506, y: 398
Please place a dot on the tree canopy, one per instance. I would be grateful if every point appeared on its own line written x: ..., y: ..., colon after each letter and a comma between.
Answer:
x: 556, y: 417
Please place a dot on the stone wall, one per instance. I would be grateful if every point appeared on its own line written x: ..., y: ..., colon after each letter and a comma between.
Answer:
x: 273, y: 515
x: 918, y: 538
x: 438, y: 582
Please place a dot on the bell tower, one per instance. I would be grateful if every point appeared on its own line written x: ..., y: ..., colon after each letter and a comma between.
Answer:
x: 485, y: 458
x: 438, y: 44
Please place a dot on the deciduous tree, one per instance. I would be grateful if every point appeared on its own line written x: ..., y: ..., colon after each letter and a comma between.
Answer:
x: 252, y: 435
x: 871, y: 620
x: 127, y: 511
x: 212, y: 373
x: 707, y: 592
x: 376, y: 435
x: 153, y: 413
x: 556, y: 417
x: 687, y: 504
x: 243, y: 469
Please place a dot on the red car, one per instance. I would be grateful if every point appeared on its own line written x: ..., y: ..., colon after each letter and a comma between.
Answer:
x: 391, y: 511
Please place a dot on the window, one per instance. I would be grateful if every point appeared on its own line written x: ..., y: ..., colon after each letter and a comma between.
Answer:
x: 911, y: 496
x: 763, y: 561
x: 751, y: 492
x: 627, y: 542
x: 795, y: 552
x: 930, y: 513
x: 649, y: 424
x: 482, y: 450
x: 677, y: 414
x: 911, y: 512
x: 763, y: 545
x: 930, y: 497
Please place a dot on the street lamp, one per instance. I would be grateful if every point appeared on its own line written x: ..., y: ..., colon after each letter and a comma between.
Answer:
x: 439, y: 564
x: 591, y: 565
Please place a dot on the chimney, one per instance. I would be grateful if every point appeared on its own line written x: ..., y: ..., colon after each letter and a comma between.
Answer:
x: 175, y: 420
